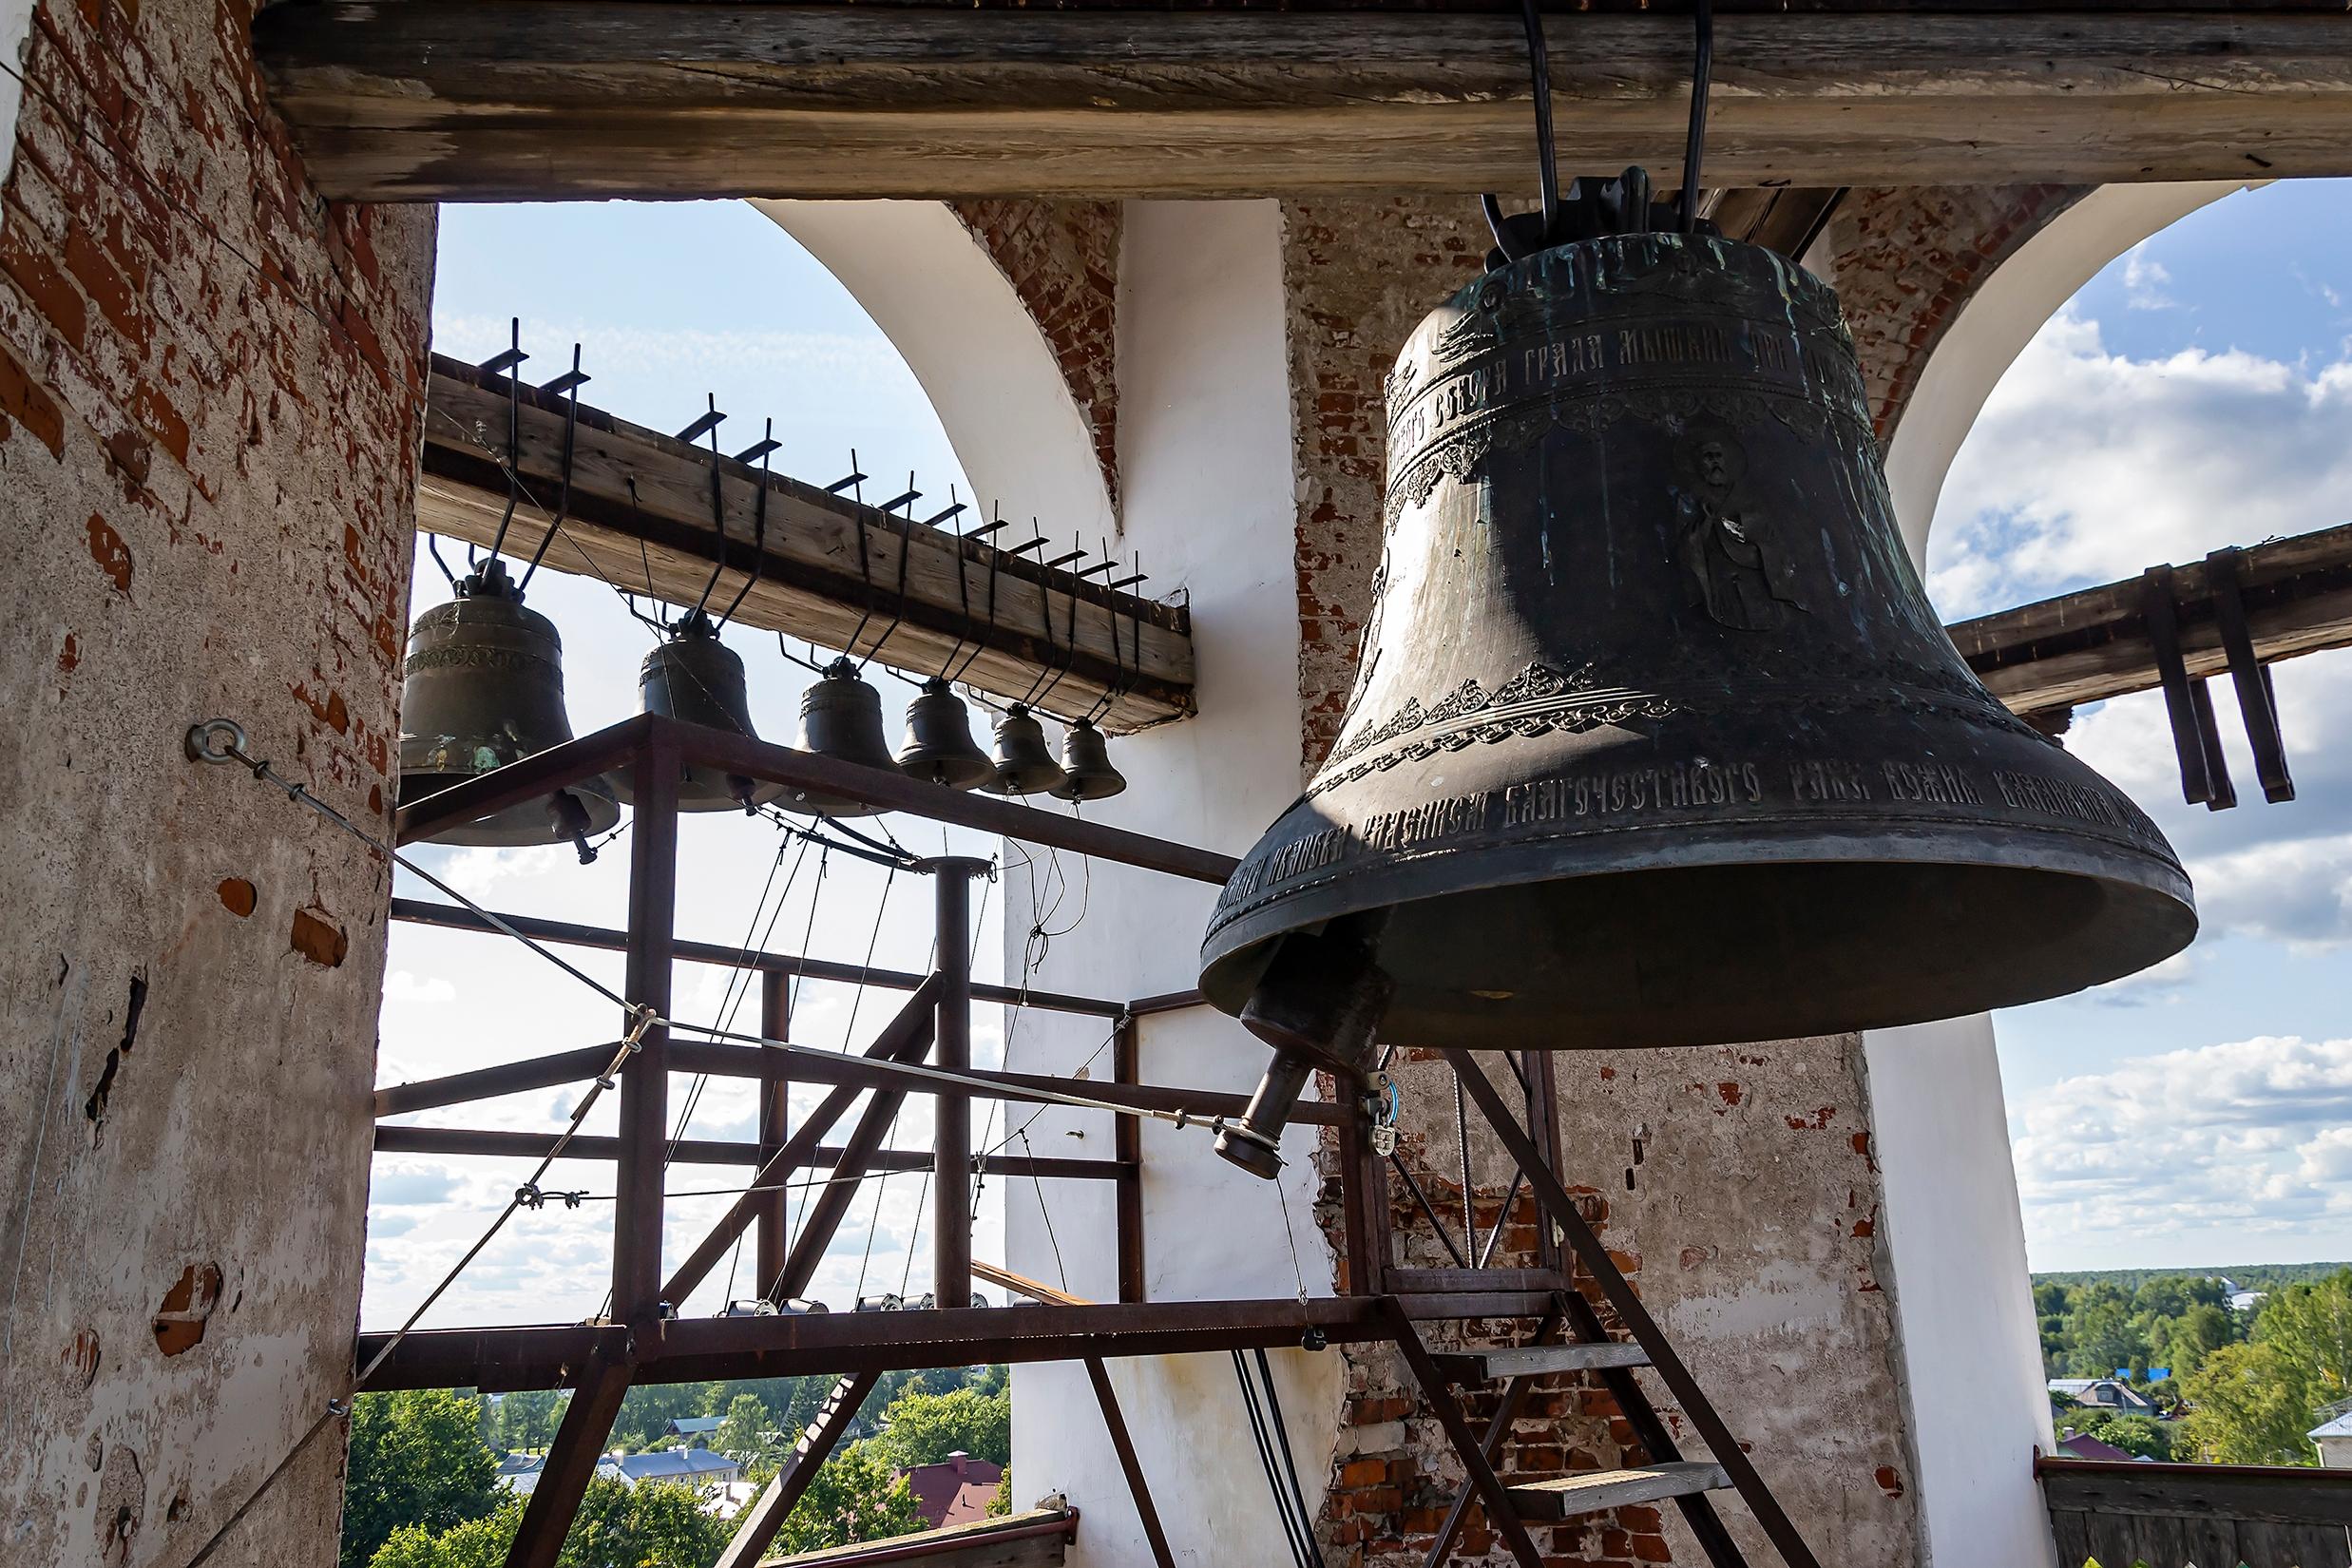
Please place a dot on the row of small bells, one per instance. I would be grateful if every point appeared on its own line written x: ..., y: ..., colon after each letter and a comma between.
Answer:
x: 484, y: 687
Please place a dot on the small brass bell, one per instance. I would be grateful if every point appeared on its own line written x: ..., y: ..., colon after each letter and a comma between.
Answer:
x: 840, y: 717
x: 1086, y: 760
x: 1023, y: 766
x: 483, y: 686
x: 939, y: 748
x: 696, y: 679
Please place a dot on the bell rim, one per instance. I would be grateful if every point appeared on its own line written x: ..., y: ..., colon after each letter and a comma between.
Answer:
x: 2154, y: 892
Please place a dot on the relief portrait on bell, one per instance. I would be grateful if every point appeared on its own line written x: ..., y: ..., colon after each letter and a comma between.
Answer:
x: 1735, y: 563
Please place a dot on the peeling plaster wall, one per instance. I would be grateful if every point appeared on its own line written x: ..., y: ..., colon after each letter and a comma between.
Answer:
x: 210, y: 385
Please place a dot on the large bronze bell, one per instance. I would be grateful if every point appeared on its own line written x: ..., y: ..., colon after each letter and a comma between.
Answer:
x: 483, y: 686
x: 1087, y: 773
x: 939, y: 747
x: 1655, y: 739
x: 1023, y: 766
x: 695, y: 678
x: 840, y: 717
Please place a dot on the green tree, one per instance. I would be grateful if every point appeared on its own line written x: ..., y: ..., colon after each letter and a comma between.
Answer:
x: 526, y: 1417
x: 650, y: 1525
x: 2101, y: 1335
x: 743, y: 1434
x: 1001, y: 1504
x: 855, y: 1497
x: 2183, y: 1343
x: 920, y: 1428
x: 2310, y: 1328
x: 2245, y: 1409
x: 417, y: 1458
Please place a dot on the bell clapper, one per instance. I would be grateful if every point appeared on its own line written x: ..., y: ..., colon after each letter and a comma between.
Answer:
x: 1318, y: 1004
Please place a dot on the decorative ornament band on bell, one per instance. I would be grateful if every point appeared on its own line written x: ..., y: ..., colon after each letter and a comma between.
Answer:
x: 939, y: 748
x: 840, y: 717
x: 695, y: 678
x: 483, y: 686
x: 1656, y: 739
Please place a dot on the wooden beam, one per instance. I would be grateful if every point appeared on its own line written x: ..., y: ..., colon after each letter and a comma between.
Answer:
x: 756, y: 1528
x: 1049, y: 628
x: 534, y: 99
x: 2084, y: 647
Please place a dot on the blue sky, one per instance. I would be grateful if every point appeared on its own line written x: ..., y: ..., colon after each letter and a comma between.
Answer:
x: 2197, y: 394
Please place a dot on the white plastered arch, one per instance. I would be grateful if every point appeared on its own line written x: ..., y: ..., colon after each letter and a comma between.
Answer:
x: 981, y: 359
x: 1953, y: 1233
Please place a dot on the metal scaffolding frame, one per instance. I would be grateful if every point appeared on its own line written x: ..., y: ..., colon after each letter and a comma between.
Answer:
x: 642, y: 1340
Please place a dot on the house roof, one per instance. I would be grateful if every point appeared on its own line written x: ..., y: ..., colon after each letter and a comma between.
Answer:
x: 956, y: 1489
x: 2080, y: 1446
x: 696, y: 1425
x: 675, y: 1465
x: 2340, y: 1428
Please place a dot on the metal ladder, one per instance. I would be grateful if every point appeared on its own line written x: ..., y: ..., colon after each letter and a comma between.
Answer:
x: 1664, y: 1474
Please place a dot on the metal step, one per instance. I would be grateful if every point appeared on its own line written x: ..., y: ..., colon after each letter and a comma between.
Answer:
x: 1595, y: 1490
x: 1532, y: 1359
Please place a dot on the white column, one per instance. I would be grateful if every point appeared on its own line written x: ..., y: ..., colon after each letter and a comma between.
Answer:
x: 1206, y: 473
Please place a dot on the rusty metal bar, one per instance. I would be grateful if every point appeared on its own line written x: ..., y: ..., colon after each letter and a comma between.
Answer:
x: 1656, y: 1437
x: 571, y: 1459
x: 776, y: 1114
x: 497, y: 1142
x: 1507, y: 1411
x: 1630, y: 1311
x: 759, y: 1523
x: 906, y: 1037
x: 539, y: 1072
x: 1422, y: 1198
x: 895, y: 791
x: 563, y: 934
x: 541, y: 774
x: 645, y: 1081
x: 952, y: 1050
x: 720, y: 1060
x: 1467, y: 1444
x: 1123, y: 1445
x: 1127, y: 1152
x: 700, y: 1349
x: 825, y: 1215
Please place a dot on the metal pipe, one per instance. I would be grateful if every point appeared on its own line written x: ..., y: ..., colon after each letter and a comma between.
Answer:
x: 952, y: 1050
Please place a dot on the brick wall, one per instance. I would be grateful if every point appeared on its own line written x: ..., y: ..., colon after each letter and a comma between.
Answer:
x: 1063, y: 258
x: 1905, y: 260
x: 210, y: 394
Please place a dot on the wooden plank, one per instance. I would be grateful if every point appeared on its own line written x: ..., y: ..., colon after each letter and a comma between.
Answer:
x: 2093, y: 644
x: 2280, y: 1494
x: 1035, y: 1539
x: 517, y: 99
x: 1535, y: 1360
x: 1023, y: 1284
x: 1048, y: 629
x: 1548, y: 1501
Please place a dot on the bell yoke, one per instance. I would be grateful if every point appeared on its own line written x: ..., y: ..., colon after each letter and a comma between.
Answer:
x: 1655, y: 739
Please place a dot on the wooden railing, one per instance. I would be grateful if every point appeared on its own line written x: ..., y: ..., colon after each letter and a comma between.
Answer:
x: 2122, y: 1515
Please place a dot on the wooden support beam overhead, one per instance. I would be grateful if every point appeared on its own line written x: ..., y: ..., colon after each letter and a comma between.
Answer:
x: 2084, y: 647
x: 810, y: 584
x: 530, y: 99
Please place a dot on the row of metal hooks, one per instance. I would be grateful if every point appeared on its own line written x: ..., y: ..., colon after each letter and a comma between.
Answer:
x: 1062, y: 650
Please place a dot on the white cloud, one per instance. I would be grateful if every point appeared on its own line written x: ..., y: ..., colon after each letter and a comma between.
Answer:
x: 2255, y: 1136
x: 2143, y: 281
x: 475, y: 871
x: 2087, y: 466
x: 400, y: 985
